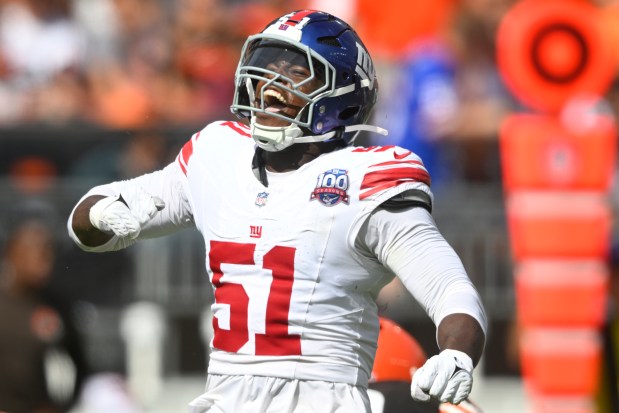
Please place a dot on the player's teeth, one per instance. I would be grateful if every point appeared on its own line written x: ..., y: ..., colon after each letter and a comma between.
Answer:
x: 275, y: 94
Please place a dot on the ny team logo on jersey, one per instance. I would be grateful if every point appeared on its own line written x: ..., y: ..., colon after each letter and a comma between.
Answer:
x: 255, y: 231
x: 331, y: 187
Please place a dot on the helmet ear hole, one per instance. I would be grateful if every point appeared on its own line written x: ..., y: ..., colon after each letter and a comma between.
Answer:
x: 349, y: 112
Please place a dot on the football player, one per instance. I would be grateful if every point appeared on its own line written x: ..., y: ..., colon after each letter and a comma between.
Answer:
x: 302, y: 229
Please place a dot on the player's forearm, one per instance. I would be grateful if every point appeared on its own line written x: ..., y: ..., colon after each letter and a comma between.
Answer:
x: 462, y: 332
x: 83, y: 228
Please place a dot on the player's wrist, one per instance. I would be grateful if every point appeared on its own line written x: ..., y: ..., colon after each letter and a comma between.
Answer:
x: 463, y: 360
x: 447, y: 376
x: 97, y: 211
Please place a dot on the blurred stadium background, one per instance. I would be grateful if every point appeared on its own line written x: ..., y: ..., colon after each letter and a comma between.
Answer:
x: 100, y: 90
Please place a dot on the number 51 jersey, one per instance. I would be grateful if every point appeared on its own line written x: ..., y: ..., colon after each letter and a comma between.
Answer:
x: 294, y: 290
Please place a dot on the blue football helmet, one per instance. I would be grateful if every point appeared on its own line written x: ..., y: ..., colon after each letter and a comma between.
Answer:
x: 337, y: 89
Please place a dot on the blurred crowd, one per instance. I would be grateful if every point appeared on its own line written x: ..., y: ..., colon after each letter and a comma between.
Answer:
x: 135, y: 64
x: 122, y: 63
x: 144, y: 64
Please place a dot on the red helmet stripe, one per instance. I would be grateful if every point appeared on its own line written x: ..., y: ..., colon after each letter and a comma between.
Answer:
x: 298, y: 16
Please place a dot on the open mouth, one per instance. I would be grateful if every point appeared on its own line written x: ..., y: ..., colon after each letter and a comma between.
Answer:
x: 273, y: 101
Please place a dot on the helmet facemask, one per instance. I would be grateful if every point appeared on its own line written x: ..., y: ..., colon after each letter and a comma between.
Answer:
x: 278, y: 79
x: 331, y: 101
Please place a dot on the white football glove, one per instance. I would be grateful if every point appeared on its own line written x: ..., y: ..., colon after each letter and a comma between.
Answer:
x: 125, y: 219
x: 448, y: 376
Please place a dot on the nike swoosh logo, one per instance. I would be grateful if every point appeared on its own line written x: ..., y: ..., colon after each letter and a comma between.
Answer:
x: 401, y: 155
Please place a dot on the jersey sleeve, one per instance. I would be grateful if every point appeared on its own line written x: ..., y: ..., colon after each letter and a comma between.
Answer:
x: 409, y: 244
x: 169, y: 184
x: 397, y: 178
x: 392, y: 178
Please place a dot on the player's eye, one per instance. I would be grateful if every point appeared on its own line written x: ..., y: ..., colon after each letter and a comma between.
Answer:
x: 299, y: 72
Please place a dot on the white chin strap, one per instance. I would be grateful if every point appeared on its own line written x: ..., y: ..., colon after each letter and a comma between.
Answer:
x: 276, y: 138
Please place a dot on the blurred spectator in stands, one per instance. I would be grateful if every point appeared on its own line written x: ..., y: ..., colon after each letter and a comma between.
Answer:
x: 99, y: 24
x: 119, y: 100
x: 38, y: 42
x: 59, y: 101
x: 422, y: 106
x: 120, y: 85
x: 39, y: 38
x: 123, y: 64
x: 484, y: 98
x: 144, y: 34
x: 41, y: 362
x: 200, y: 21
x: 205, y: 58
x: 446, y: 94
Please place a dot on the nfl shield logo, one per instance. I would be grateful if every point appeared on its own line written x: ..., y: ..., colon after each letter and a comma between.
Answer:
x: 261, y: 199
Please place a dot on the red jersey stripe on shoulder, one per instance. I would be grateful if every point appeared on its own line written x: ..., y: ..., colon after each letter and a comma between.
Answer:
x: 382, y: 187
x: 389, y: 163
x: 238, y: 127
x: 377, y: 181
x: 365, y: 149
x: 186, y: 152
x: 180, y: 163
x: 372, y: 179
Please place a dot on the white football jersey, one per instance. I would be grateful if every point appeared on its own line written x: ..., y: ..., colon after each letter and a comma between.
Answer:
x: 294, y: 289
x: 293, y: 297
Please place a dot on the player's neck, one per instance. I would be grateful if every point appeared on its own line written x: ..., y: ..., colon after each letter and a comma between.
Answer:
x: 295, y: 156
